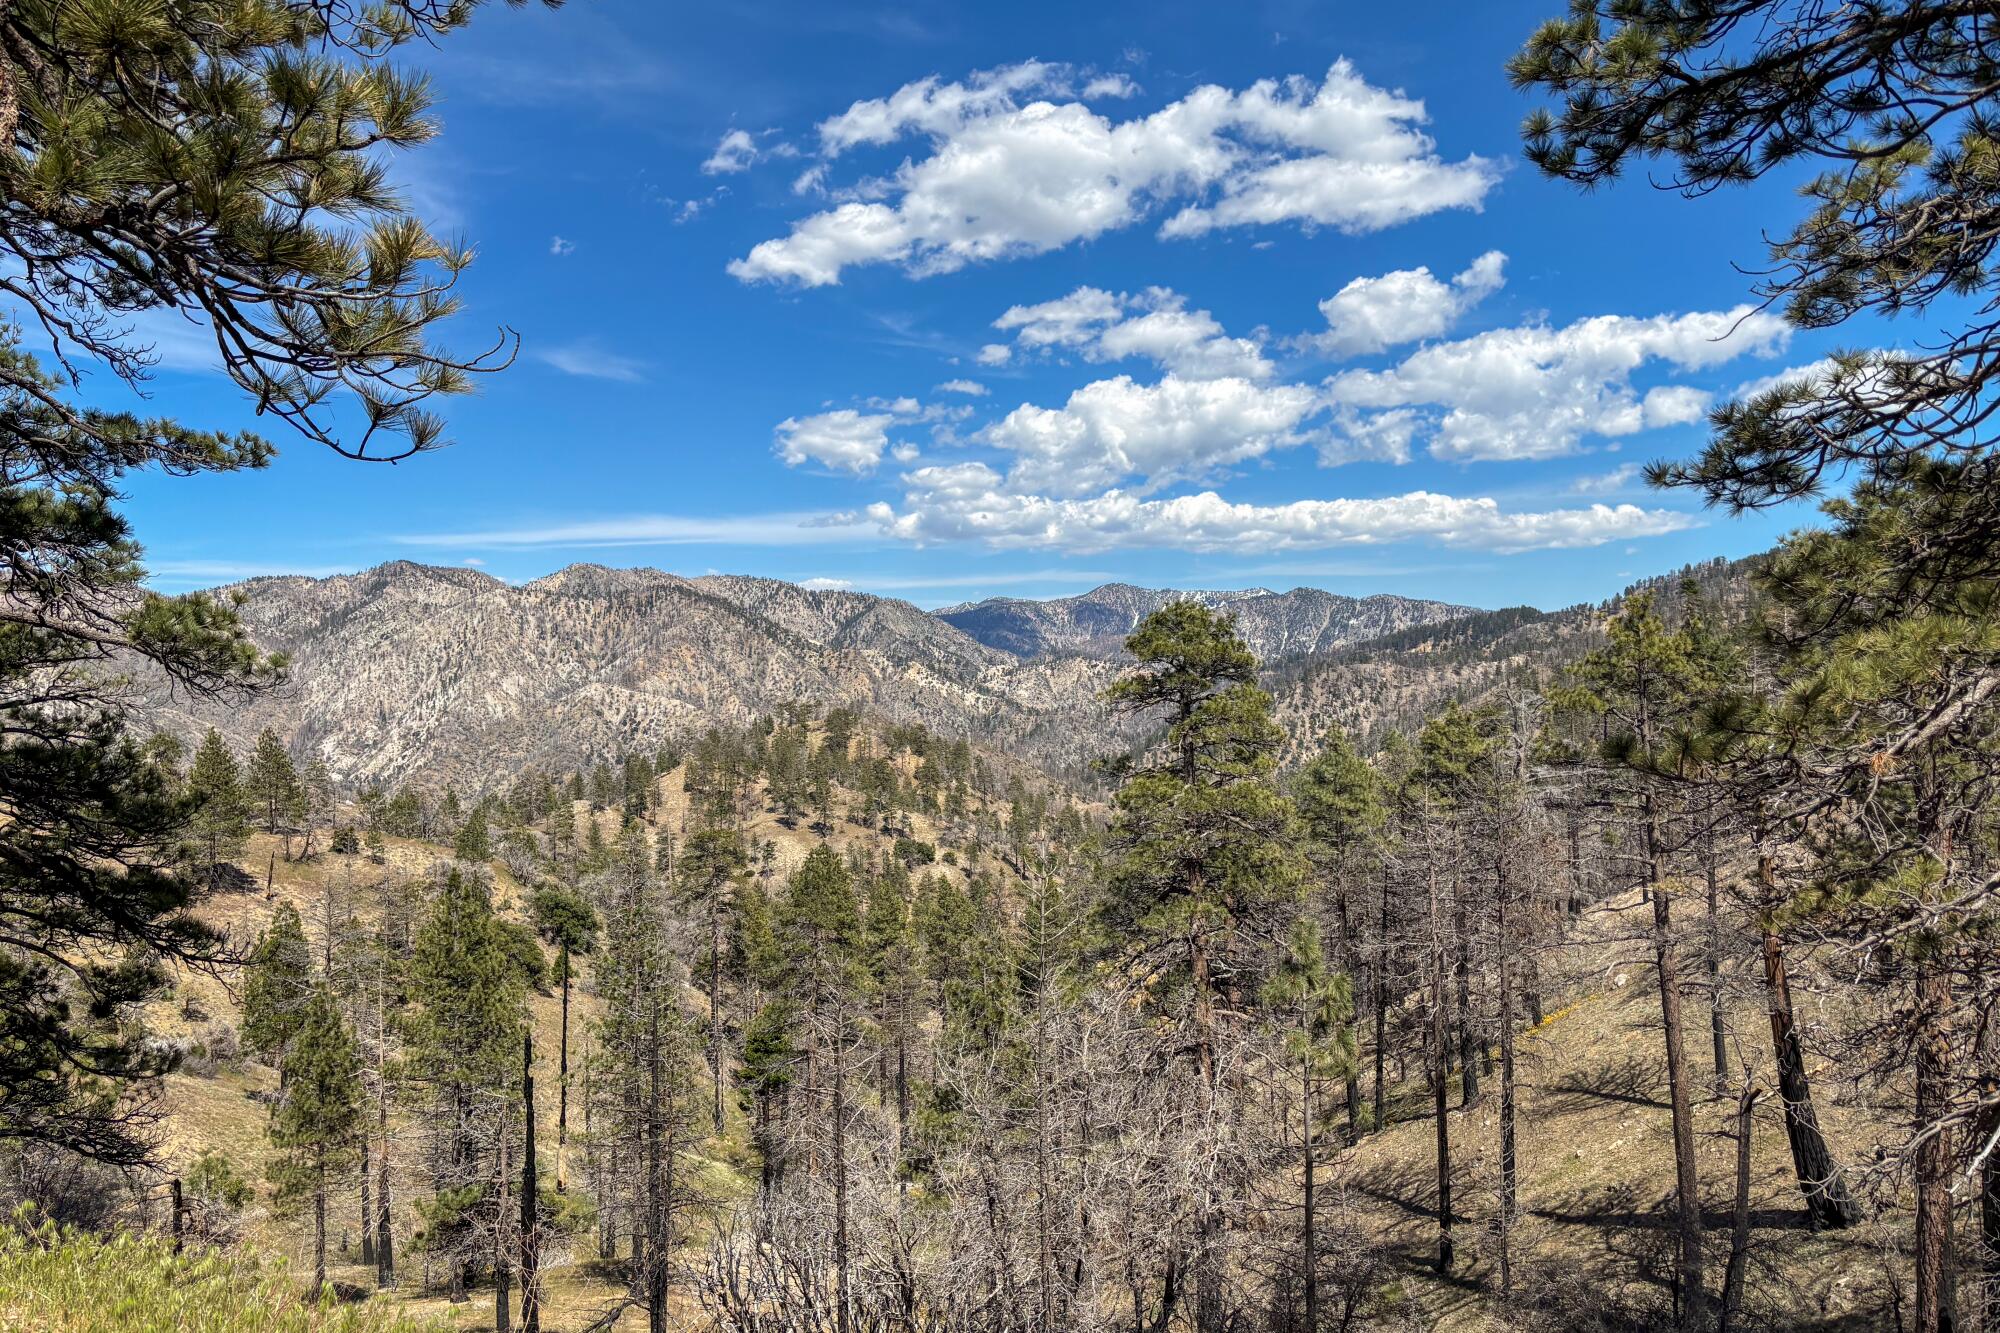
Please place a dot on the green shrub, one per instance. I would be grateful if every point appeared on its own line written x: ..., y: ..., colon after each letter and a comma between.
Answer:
x: 62, y: 1281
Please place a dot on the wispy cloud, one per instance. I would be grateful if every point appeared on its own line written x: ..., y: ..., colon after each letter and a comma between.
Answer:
x: 205, y: 573
x: 781, y: 529
x: 591, y: 362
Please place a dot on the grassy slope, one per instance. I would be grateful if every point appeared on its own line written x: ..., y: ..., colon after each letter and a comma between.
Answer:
x: 1595, y: 1171
x: 222, y: 1112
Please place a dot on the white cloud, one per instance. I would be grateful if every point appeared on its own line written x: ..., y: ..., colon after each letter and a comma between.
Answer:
x: 826, y: 584
x: 1155, y: 324
x: 1110, y: 85
x: 970, y: 388
x: 994, y: 354
x: 811, y: 181
x: 736, y: 151
x: 1606, y: 483
x: 968, y: 502
x: 1011, y: 173
x: 1537, y: 392
x: 591, y: 362
x: 845, y: 439
x: 561, y: 248
x: 1373, y: 314
x: 1176, y: 430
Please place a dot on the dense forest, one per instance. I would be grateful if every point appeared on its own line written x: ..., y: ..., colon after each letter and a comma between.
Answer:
x: 1632, y: 968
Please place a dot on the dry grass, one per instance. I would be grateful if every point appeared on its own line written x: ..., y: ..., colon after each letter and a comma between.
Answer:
x: 1595, y: 1161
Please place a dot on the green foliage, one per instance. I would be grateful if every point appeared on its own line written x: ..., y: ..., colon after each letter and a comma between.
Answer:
x: 1202, y: 837
x: 271, y: 782
x: 1311, y: 1007
x: 468, y: 998
x: 61, y: 1281
x: 473, y: 844
x: 317, y: 1125
x: 220, y: 821
x: 278, y: 986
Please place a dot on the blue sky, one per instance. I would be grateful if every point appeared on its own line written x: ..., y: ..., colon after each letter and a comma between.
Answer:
x: 973, y: 300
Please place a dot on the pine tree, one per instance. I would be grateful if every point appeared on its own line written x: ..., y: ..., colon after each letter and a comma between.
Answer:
x: 272, y: 784
x: 821, y: 929
x: 319, y: 289
x: 317, y: 1125
x: 1201, y: 845
x: 467, y: 1006
x: 219, y: 823
x: 278, y: 986
x: 473, y: 843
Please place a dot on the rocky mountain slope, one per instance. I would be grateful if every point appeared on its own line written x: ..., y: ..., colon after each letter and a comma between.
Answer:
x: 1276, y: 625
x: 409, y: 670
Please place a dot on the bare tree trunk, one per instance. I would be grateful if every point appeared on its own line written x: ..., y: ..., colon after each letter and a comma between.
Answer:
x: 1687, y: 1181
x: 1934, y: 1307
x: 385, y: 1234
x: 1311, y: 1275
x: 503, y: 1267
x: 1508, y: 1180
x: 1989, y: 1207
x: 367, y: 1211
x: 319, y: 1235
x: 562, y: 1079
x: 1468, y: 1036
x: 1717, y: 1024
x: 1382, y: 1002
x: 531, y: 1225
x: 1828, y: 1203
x: 1441, y: 1058
x: 840, y: 1254
x: 715, y: 1003
x: 1739, y: 1239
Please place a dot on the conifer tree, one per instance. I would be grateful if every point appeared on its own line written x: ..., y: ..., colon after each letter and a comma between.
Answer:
x: 317, y: 1125
x: 467, y: 1005
x: 473, y: 842
x: 1200, y: 846
x: 821, y: 928
x: 198, y: 158
x: 278, y: 985
x: 219, y: 823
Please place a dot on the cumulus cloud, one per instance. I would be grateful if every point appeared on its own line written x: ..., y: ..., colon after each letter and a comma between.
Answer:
x: 1536, y: 392
x: 1374, y: 314
x: 995, y: 354
x: 560, y: 247
x: 970, y: 388
x: 826, y: 584
x: 736, y: 151
x: 1018, y: 167
x: 739, y: 150
x: 846, y: 440
x: 1110, y: 85
x: 970, y: 502
x: 1176, y: 430
x: 1155, y: 324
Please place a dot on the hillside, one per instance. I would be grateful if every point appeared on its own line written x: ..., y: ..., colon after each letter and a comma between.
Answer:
x: 1276, y: 625
x: 449, y: 674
